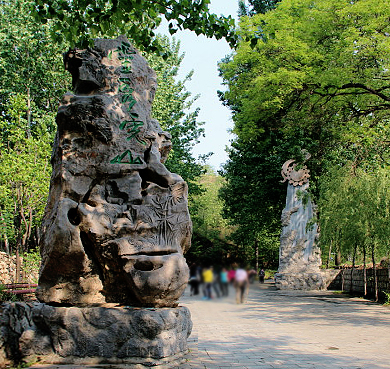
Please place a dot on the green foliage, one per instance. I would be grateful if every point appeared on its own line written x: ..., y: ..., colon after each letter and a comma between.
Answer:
x: 31, y: 263
x: 211, y: 231
x: 354, y: 210
x: 257, y: 6
x: 269, y: 274
x: 80, y: 21
x: 29, y: 62
x: 387, y: 298
x: 209, y: 221
x: 315, y: 76
x: 6, y: 296
x: 317, y: 65
x: 173, y: 108
x: 24, y: 173
x: 32, y: 81
x: 253, y: 195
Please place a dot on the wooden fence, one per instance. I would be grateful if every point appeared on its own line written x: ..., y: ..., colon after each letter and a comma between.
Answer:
x: 352, y: 280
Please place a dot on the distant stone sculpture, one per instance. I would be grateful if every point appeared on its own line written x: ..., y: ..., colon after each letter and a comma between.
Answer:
x: 117, y: 222
x: 299, y: 254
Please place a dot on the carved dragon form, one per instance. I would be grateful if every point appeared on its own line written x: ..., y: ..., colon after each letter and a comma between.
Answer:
x: 293, y: 176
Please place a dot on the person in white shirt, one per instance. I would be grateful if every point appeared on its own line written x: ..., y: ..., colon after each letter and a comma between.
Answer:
x: 241, y: 283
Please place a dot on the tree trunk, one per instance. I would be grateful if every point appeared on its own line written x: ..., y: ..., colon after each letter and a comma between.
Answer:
x: 6, y: 242
x: 329, y: 255
x: 364, y: 271
x: 17, y: 276
x: 374, y: 270
x: 338, y: 258
x: 353, y: 267
x: 37, y: 236
x: 28, y: 113
x: 257, y: 255
x: 388, y: 272
x: 26, y: 221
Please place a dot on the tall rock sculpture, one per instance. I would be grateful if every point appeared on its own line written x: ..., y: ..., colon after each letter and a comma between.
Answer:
x: 114, y: 230
x: 116, y: 223
x: 299, y: 255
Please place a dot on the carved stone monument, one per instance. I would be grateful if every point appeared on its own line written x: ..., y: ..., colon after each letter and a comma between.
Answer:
x: 299, y: 255
x: 115, y: 226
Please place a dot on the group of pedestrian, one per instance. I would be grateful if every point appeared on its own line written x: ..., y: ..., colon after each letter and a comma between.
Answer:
x: 215, y: 282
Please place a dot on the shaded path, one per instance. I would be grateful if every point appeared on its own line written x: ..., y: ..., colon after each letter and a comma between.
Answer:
x: 288, y: 329
x: 281, y: 329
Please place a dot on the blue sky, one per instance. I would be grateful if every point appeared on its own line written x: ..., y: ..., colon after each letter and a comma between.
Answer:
x: 202, y: 55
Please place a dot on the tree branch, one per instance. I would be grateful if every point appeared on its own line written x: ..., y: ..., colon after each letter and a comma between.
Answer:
x: 372, y: 91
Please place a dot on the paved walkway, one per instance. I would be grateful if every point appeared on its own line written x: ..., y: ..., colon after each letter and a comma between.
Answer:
x: 288, y: 329
x: 282, y: 329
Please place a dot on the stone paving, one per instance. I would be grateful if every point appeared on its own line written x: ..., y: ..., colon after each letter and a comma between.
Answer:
x: 282, y: 329
x: 288, y: 329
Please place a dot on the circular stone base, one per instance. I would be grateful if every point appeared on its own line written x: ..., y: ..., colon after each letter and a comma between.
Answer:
x: 92, y: 335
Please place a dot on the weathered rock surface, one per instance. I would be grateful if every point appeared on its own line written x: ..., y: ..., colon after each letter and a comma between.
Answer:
x: 299, y: 254
x: 62, y: 335
x: 116, y: 222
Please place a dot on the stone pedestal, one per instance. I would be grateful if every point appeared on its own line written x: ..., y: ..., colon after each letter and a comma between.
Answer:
x: 300, y: 281
x: 92, y: 335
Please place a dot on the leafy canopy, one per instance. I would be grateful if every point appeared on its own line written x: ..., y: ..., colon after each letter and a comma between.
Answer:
x: 252, y: 194
x: 30, y: 63
x: 210, y: 231
x: 314, y: 75
x: 256, y: 6
x: 310, y: 64
x: 173, y: 108
x: 32, y: 81
x: 354, y: 208
x: 24, y: 174
x: 79, y: 21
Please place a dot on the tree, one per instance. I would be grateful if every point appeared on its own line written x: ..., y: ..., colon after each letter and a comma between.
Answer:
x: 256, y: 6
x: 211, y: 231
x: 30, y: 64
x: 355, y: 214
x: 80, y: 21
x: 173, y: 108
x: 24, y: 178
x: 32, y: 82
x: 254, y: 197
x: 317, y: 66
x: 316, y: 76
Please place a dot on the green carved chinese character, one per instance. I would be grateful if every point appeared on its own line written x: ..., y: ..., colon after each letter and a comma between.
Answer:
x: 126, y: 158
x: 124, y: 87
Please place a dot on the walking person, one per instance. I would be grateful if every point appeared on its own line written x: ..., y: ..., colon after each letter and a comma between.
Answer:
x: 216, y: 284
x: 224, y: 282
x: 208, y: 281
x: 194, y: 280
x: 261, y: 275
x: 231, y: 274
x: 241, y: 283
